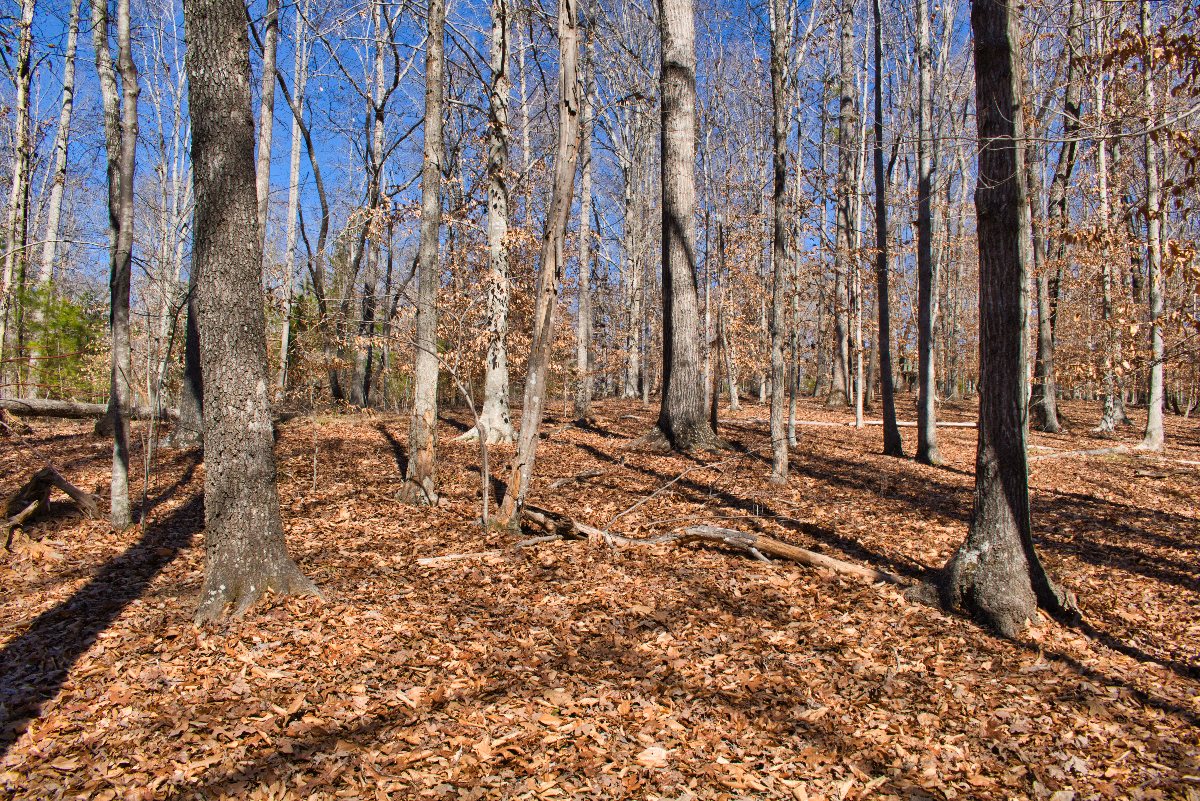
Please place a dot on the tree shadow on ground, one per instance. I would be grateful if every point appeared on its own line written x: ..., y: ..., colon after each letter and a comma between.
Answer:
x: 34, y: 665
x: 398, y: 452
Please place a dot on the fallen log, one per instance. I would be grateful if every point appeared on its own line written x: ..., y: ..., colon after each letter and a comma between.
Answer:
x: 71, y: 410
x: 583, y: 476
x: 757, y: 545
x: 1091, y: 452
x: 35, y: 495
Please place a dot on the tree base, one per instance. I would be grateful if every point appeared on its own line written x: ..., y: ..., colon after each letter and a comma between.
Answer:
x: 495, y: 435
x: 416, y: 493
x: 221, y: 595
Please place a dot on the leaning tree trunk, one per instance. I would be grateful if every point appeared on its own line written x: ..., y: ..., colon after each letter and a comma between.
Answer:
x: 1153, y: 438
x: 927, y: 448
x: 120, y: 134
x: 420, y: 485
x: 682, y: 418
x: 995, y: 575
x: 779, y: 262
x: 550, y: 272
x: 495, y: 415
x: 892, y: 444
x: 245, y: 553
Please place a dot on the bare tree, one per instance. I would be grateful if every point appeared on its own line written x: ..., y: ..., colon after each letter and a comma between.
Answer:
x: 682, y: 419
x: 779, y: 262
x: 58, y: 184
x: 420, y: 485
x: 17, y: 223
x: 266, y: 114
x: 927, y: 449
x: 892, y: 444
x: 1153, y: 438
x: 550, y: 271
x: 120, y: 136
x: 583, y: 323
x: 839, y: 393
x: 996, y: 575
x: 245, y: 552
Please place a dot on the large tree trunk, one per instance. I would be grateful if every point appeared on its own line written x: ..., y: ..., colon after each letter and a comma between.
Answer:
x: 17, y: 223
x: 1153, y: 439
x: 995, y: 575
x: 779, y: 260
x: 120, y: 134
x: 420, y: 486
x: 62, y: 141
x: 892, y: 444
x: 550, y: 271
x: 927, y: 448
x: 245, y: 553
x: 495, y: 416
x: 682, y: 418
x: 847, y: 150
x: 583, y: 322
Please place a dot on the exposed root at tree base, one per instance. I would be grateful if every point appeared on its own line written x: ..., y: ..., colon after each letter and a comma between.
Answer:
x: 237, y: 598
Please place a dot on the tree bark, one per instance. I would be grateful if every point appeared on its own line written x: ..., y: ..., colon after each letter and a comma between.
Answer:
x: 266, y: 117
x: 550, y: 271
x: 120, y: 134
x: 17, y: 224
x: 420, y: 485
x: 245, y: 553
x: 682, y: 419
x: 847, y: 150
x: 583, y: 322
x: 779, y: 260
x: 299, y: 81
x: 495, y: 415
x: 996, y: 575
x: 892, y: 444
x: 1153, y: 438
x: 927, y: 448
x: 62, y: 141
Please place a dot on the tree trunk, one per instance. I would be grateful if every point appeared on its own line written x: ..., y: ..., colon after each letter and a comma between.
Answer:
x: 779, y: 260
x: 847, y: 129
x: 550, y: 271
x: 892, y: 444
x: 266, y: 116
x: 299, y: 82
x: 1153, y: 438
x: 927, y: 448
x: 62, y: 140
x: 18, y: 199
x: 420, y: 486
x: 120, y: 133
x: 496, y: 416
x: 995, y: 575
x: 583, y: 322
x: 245, y: 553
x: 682, y: 418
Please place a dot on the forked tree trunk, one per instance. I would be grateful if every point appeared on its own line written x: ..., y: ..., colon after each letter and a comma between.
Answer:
x: 550, y: 271
x: 420, y: 485
x: 995, y: 576
x: 779, y: 261
x: 120, y: 134
x: 892, y: 444
x: 927, y: 448
x: 245, y: 553
x: 682, y: 418
x: 495, y: 416
x: 1153, y: 438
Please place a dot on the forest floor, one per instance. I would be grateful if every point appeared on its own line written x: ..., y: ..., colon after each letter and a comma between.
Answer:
x: 578, y: 669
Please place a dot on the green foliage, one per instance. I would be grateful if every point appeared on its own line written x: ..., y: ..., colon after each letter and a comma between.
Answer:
x: 69, y: 342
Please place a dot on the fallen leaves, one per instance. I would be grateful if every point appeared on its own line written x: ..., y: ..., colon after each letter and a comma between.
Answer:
x: 580, y: 670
